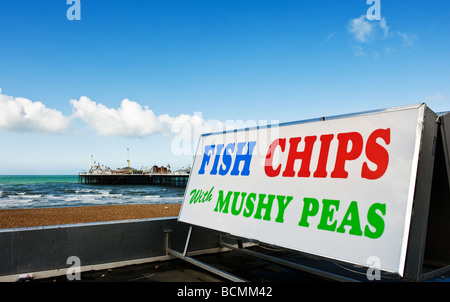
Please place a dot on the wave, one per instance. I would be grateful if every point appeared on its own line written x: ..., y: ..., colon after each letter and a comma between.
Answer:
x: 65, y: 194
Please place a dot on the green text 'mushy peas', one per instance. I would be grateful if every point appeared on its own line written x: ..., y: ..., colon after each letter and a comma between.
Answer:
x: 260, y: 206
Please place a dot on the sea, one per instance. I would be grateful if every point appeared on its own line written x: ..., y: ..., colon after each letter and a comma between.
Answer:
x: 50, y: 191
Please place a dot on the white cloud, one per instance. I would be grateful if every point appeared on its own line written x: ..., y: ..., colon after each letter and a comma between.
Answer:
x: 377, y: 33
x: 389, y: 50
x: 407, y: 39
x: 133, y: 120
x: 361, y: 28
x: 358, y: 51
x: 364, y: 30
x: 21, y: 114
x: 384, y: 27
x: 128, y: 120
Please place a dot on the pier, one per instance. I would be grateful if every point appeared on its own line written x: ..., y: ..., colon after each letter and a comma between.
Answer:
x: 169, y: 179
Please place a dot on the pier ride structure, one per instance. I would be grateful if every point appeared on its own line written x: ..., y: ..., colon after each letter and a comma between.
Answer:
x: 169, y: 179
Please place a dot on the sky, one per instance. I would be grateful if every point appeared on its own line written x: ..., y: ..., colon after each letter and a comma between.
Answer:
x: 141, y: 80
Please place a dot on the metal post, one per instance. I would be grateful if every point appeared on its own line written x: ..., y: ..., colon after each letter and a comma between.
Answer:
x: 289, y: 264
x: 207, y: 267
x: 187, y: 241
x: 198, y: 263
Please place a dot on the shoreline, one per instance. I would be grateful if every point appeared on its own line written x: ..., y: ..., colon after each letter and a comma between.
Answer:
x: 19, y: 218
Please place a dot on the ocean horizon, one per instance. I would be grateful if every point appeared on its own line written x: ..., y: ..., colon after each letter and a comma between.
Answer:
x: 49, y: 191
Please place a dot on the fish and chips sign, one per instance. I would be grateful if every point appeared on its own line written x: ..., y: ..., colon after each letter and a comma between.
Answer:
x: 340, y: 188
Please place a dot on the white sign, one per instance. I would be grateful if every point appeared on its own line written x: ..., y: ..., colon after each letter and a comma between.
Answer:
x: 341, y: 188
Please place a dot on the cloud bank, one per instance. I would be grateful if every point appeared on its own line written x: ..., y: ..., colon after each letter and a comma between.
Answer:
x: 133, y: 120
x: 129, y: 120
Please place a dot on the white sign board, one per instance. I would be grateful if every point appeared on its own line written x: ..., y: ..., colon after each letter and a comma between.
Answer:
x: 341, y: 188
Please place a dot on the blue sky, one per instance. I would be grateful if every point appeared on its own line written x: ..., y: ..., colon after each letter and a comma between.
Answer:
x: 136, y: 74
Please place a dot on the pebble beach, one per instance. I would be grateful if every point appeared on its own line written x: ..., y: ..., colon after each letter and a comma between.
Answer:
x: 19, y: 218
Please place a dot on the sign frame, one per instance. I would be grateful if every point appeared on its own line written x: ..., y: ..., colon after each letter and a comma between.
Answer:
x: 428, y: 251
x: 421, y: 186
